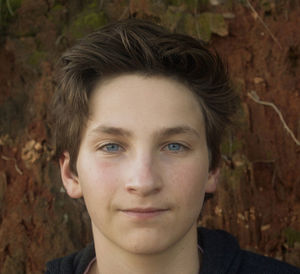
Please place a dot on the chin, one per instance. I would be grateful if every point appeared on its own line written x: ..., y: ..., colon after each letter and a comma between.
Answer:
x: 146, y: 249
x: 147, y: 244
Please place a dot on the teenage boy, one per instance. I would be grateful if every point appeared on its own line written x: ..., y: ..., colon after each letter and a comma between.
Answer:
x: 139, y: 114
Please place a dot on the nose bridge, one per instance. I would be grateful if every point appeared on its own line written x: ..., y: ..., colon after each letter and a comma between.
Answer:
x: 144, y: 176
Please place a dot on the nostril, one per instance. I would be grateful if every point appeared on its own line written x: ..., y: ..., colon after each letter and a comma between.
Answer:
x: 130, y: 188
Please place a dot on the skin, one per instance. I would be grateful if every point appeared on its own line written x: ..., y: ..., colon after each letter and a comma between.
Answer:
x: 143, y: 170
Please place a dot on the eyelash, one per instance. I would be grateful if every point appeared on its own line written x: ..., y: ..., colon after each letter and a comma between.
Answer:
x: 181, y: 147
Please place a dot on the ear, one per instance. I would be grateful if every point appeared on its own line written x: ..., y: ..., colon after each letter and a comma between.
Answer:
x: 213, y: 179
x: 70, y: 180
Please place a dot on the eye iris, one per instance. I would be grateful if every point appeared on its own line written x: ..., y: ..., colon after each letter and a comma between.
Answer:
x: 112, y: 147
x: 174, y: 146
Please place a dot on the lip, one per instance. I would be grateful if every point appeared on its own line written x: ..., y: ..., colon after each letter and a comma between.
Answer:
x: 144, y: 213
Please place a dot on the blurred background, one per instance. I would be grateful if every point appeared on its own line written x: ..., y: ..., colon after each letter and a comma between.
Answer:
x: 258, y: 198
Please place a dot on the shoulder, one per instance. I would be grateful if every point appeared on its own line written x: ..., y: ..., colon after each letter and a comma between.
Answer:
x: 254, y: 263
x: 223, y: 255
x: 74, y: 263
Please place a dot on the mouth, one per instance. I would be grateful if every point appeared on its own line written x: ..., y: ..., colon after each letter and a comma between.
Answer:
x: 144, y: 213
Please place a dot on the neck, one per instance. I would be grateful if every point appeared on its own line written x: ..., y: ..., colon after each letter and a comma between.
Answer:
x: 182, y: 257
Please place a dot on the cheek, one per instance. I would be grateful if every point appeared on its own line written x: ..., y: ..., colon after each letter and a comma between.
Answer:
x: 99, y: 179
x: 188, y: 182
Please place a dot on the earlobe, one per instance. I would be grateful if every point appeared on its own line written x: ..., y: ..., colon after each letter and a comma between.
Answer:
x: 212, y: 182
x: 69, y: 179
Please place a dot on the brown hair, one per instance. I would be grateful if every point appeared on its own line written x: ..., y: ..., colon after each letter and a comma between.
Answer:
x: 135, y: 46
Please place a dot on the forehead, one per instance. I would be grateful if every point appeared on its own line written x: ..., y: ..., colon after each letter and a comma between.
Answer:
x: 135, y: 101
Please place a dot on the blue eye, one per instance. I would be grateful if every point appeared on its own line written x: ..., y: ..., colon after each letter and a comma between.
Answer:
x: 111, y: 147
x: 175, y: 147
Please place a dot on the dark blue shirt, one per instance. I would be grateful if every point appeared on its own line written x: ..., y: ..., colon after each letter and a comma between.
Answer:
x: 221, y: 255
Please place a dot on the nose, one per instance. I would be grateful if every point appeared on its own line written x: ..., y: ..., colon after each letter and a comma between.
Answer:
x: 144, y: 178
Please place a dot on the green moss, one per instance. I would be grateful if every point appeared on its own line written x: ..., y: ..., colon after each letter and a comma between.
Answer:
x: 93, y: 20
x: 57, y: 7
x: 93, y: 4
x: 15, y: 4
x: 233, y: 177
x: 10, y: 6
x: 36, y: 57
x: 8, y: 10
x: 189, y: 3
x: 174, y: 2
x: 86, y: 22
x: 209, y: 23
x: 292, y: 236
x: 230, y: 147
x: 172, y: 17
x: 57, y: 15
x: 204, y: 30
x: 266, y: 6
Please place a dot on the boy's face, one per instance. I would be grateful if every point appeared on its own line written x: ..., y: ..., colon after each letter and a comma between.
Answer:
x: 142, y: 164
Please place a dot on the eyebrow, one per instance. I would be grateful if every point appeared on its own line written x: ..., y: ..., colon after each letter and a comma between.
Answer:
x: 163, y: 132
x: 111, y: 131
x: 166, y: 132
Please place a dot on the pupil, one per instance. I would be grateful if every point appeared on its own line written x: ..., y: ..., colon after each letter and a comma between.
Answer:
x: 174, y: 146
x: 112, y: 147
